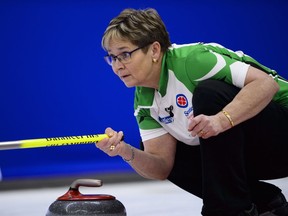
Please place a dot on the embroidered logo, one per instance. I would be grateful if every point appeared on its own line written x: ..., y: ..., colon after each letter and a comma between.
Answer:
x: 187, y: 112
x: 168, y: 119
x: 181, y: 101
x: 169, y: 110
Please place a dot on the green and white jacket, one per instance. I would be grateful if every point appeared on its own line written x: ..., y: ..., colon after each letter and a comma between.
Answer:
x: 166, y: 110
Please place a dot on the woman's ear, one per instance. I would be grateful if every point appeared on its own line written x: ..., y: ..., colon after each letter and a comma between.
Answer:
x: 156, y: 51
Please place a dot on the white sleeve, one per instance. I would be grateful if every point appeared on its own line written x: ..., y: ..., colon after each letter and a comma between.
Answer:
x: 238, y: 72
x: 152, y: 133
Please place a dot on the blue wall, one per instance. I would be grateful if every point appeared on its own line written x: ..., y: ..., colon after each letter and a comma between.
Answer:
x: 54, y: 81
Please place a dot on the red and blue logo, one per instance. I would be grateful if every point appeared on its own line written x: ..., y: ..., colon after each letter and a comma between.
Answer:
x: 181, y: 101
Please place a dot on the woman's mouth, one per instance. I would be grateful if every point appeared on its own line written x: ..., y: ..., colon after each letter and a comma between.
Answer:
x: 124, y: 77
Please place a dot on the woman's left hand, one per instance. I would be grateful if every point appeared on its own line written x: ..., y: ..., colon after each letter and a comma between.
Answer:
x: 112, y: 145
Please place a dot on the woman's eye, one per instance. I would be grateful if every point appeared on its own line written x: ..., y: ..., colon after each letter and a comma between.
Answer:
x: 125, y: 55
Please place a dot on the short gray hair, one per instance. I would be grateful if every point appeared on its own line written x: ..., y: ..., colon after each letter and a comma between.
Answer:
x: 140, y: 27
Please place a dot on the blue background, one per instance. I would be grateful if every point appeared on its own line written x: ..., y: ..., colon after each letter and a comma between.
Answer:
x: 54, y: 81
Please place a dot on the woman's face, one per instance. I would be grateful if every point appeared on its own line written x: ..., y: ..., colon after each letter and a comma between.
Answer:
x: 138, y: 70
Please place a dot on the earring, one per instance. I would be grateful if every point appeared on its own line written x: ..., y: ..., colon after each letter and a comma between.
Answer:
x: 154, y: 60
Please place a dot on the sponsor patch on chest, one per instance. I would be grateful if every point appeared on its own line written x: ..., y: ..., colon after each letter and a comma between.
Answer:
x: 181, y: 101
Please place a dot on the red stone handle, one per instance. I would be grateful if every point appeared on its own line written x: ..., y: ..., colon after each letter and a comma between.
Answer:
x: 74, y: 194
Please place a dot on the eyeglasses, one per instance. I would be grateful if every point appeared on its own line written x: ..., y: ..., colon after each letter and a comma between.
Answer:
x: 123, y: 57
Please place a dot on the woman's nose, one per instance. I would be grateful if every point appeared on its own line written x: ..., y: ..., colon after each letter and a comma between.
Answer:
x: 117, y: 65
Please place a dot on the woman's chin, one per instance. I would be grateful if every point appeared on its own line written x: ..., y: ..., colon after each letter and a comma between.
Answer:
x: 129, y: 84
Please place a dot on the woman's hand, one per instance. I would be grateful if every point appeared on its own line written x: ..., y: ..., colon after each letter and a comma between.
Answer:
x: 112, y: 145
x: 205, y: 126
x: 155, y: 162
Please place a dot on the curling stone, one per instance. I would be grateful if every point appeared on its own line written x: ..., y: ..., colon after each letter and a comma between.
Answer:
x: 75, y: 203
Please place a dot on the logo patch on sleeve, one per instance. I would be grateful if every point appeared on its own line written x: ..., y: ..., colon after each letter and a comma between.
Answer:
x: 181, y: 101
